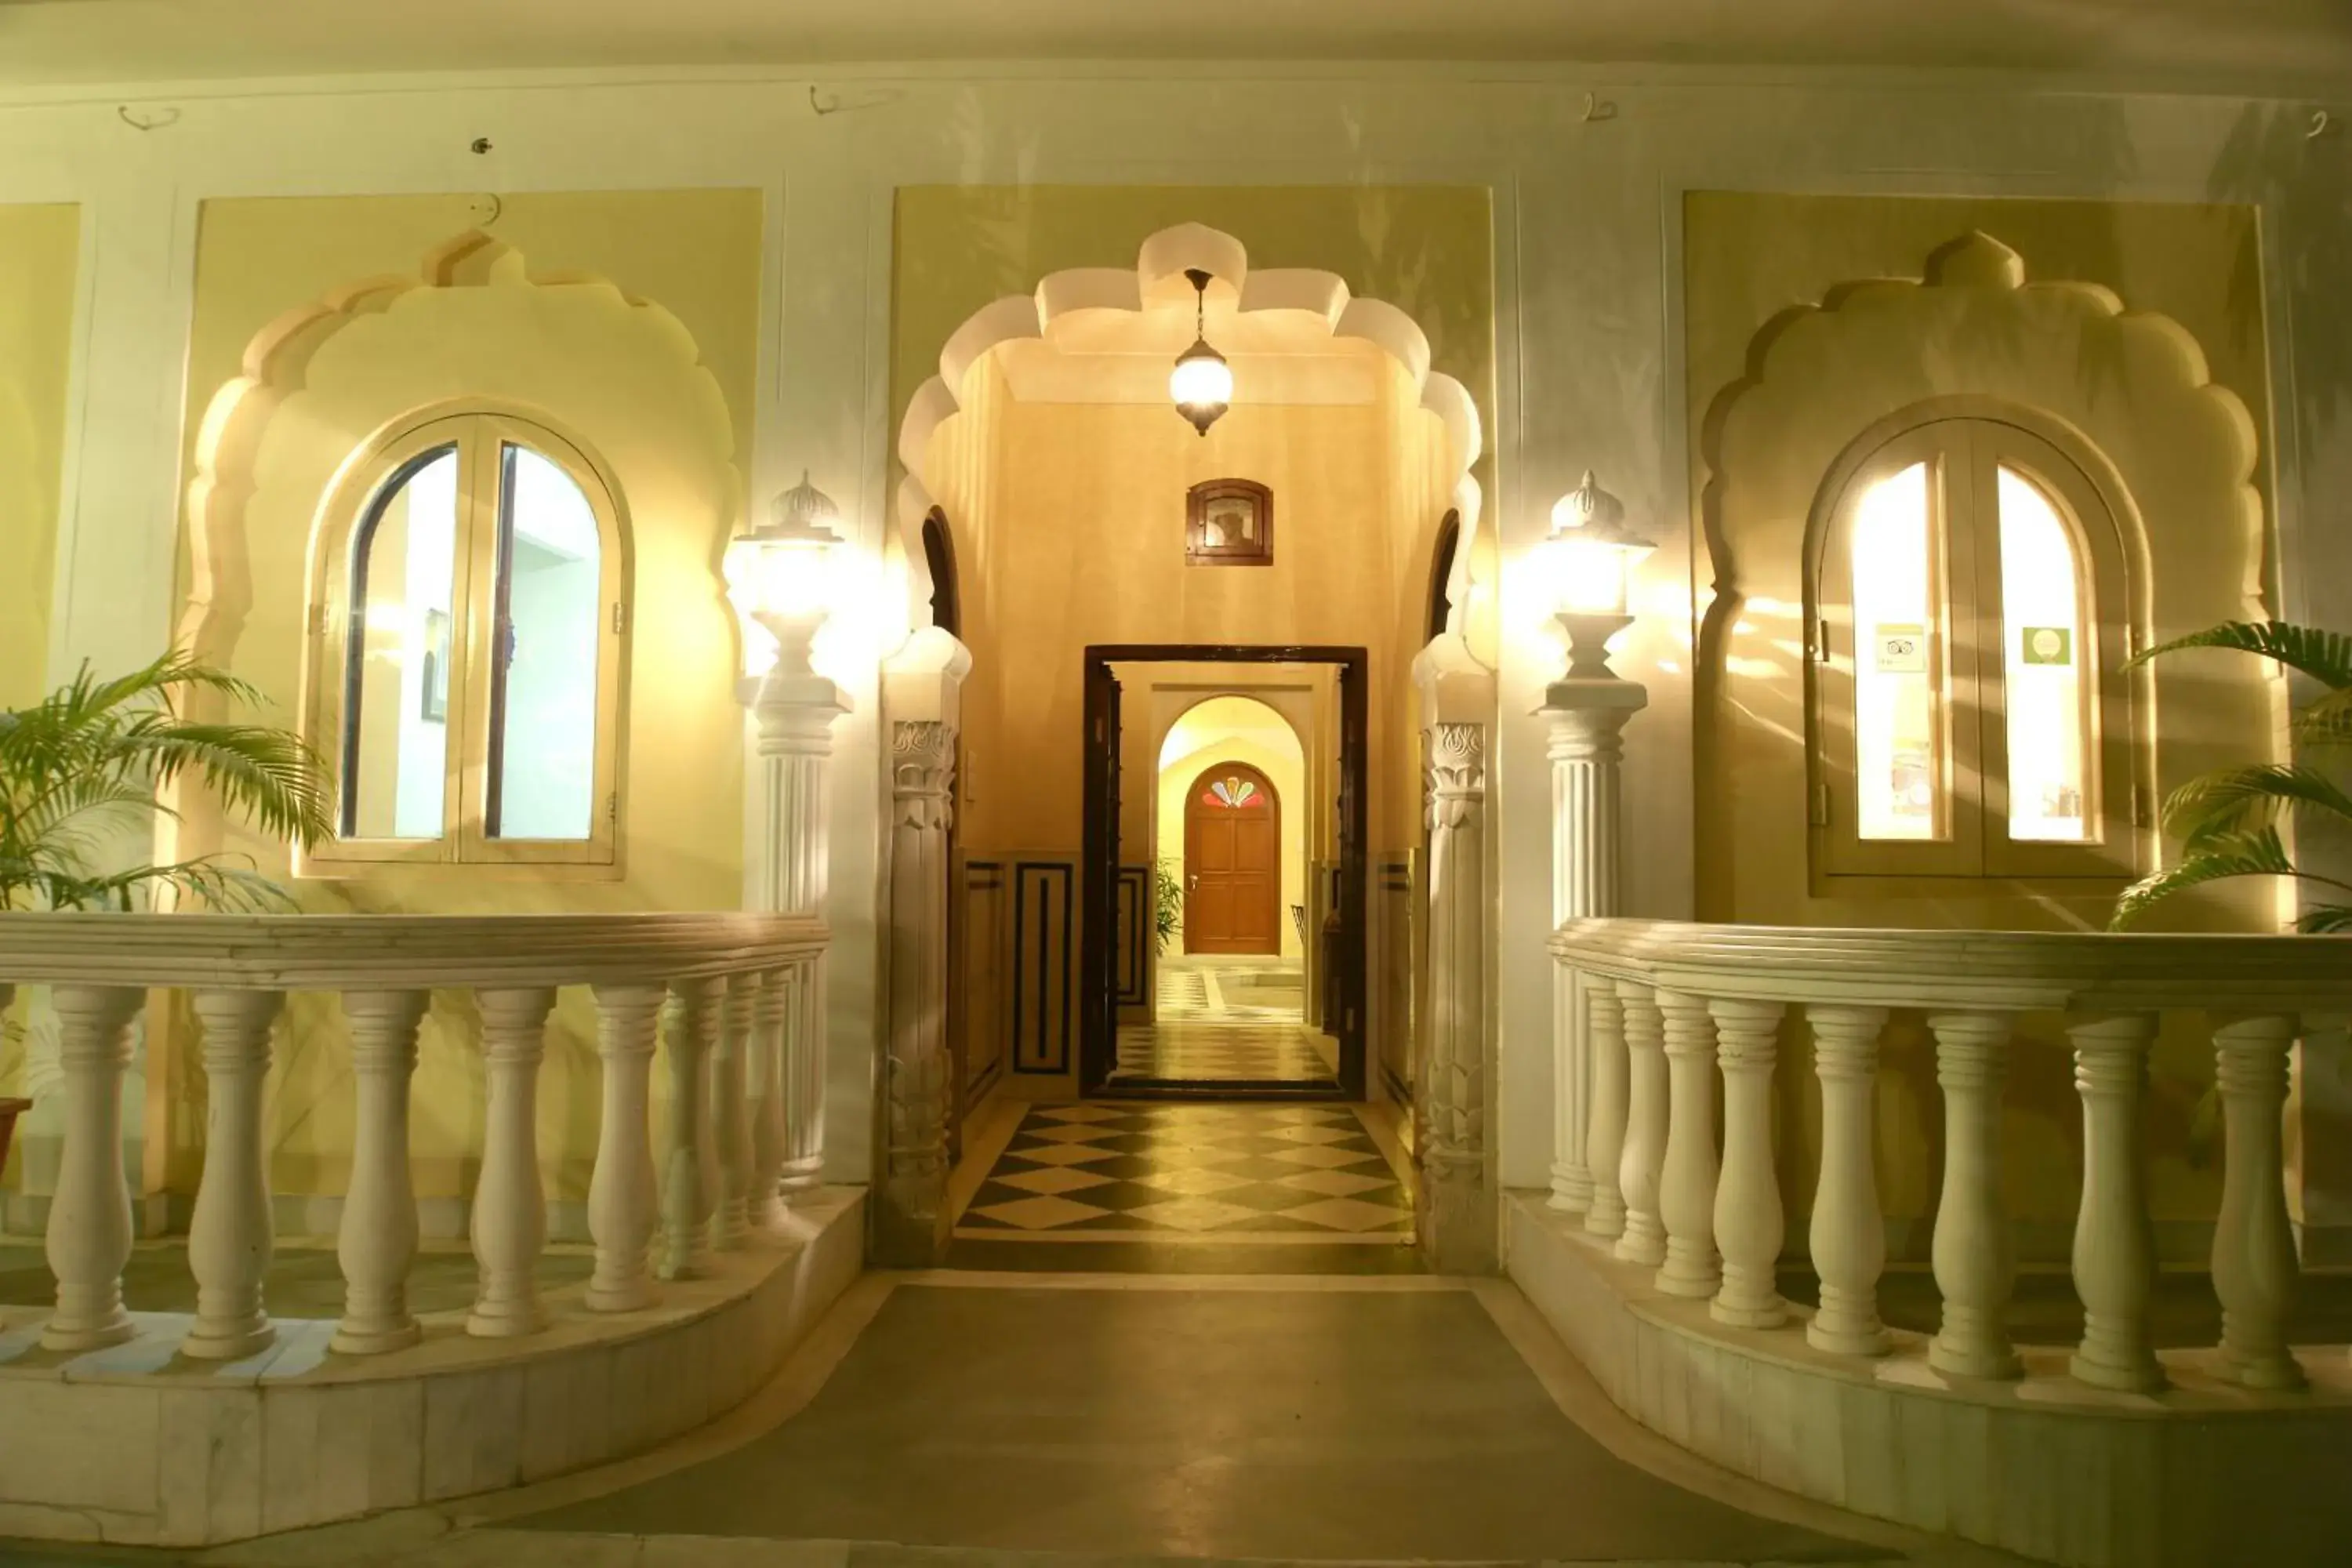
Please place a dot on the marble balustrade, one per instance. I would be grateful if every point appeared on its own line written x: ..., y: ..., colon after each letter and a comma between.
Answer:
x: 1679, y: 1017
x: 726, y: 992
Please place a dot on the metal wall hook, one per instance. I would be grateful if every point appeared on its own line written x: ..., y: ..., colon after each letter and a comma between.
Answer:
x: 1596, y: 111
x: 2321, y: 124
x: 147, y: 119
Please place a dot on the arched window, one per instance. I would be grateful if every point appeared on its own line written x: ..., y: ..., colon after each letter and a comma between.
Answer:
x: 1969, y: 621
x: 465, y: 653
x: 1441, y: 574
x: 938, y: 558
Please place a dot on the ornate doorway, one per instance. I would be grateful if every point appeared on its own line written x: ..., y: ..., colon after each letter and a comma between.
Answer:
x: 1233, y: 862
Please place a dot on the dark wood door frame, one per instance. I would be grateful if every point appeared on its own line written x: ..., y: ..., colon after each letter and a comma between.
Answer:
x: 1098, y: 874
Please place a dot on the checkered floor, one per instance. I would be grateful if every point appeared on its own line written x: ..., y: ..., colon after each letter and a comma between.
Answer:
x: 1194, y: 989
x: 1225, y: 1173
x: 1227, y: 1053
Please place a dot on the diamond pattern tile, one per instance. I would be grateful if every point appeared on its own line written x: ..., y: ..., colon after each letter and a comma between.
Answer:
x: 1042, y: 1212
x: 1053, y: 1179
x: 1299, y: 1173
x: 1350, y: 1214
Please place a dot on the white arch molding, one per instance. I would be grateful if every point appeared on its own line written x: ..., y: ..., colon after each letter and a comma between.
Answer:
x: 1308, y: 291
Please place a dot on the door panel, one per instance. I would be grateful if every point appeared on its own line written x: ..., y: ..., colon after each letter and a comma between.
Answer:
x: 1233, y: 862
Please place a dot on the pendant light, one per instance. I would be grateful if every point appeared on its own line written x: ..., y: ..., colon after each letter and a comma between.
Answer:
x: 1202, y: 383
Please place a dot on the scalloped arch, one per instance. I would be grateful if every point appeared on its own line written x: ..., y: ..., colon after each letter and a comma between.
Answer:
x: 2132, y: 389
x: 322, y: 384
x: 1164, y: 255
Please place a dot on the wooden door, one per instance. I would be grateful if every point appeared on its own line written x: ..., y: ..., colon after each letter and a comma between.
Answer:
x: 1233, y: 862
x: 1098, y: 882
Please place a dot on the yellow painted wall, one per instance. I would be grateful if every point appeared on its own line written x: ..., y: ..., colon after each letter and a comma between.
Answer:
x: 1748, y: 259
x: 1077, y: 538
x: 40, y: 255
x: 1238, y: 728
x: 627, y: 320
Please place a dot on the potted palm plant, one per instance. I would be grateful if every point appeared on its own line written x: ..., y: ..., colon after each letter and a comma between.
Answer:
x: 82, y: 767
x: 81, y: 770
x: 2228, y: 821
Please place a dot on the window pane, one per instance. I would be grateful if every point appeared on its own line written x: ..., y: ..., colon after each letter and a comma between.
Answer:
x: 396, y: 693
x: 1898, y: 734
x: 2045, y: 668
x: 543, y: 765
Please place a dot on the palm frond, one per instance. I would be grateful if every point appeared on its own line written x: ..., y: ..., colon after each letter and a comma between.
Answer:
x: 2325, y: 919
x: 2325, y: 656
x: 2255, y: 854
x: 2327, y: 722
x: 267, y: 774
x: 2232, y: 800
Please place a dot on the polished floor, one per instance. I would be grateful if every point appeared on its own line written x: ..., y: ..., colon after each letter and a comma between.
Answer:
x: 1388, y: 1421
x: 1225, y: 1019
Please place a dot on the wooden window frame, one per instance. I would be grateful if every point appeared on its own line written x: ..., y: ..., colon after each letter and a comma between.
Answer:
x: 1966, y: 443
x: 1198, y: 552
x: 481, y: 436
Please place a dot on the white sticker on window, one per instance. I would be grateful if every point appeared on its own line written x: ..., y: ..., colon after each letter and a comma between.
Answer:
x: 1902, y: 649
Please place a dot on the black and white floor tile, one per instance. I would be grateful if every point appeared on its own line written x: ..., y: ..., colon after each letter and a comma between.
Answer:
x: 1218, y: 1172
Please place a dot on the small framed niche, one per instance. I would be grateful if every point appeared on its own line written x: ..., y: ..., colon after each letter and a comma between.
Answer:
x: 1229, y: 523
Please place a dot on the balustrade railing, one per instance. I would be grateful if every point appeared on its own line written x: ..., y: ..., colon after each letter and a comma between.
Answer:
x: 743, y: 1044
x: 1672, y: 1011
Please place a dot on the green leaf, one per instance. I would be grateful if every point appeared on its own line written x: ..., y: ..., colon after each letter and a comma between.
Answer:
x: 2255, y: 854
x: 2234, y: 800
x: 2325, y: 919
x: 2327, y: 722
x: 2325, y: 656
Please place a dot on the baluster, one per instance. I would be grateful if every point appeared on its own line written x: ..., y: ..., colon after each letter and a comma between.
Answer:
x: 509, y: 1206
x: 770, y: 1094
x: 1975, y: 1267
x: 1849, y: 1232
x: 1604, y: 1142
x: 230, y: 1238
x: 89, y: 1214
x: 2115, y: 1245
x: 731, y: 1113
x: 2254, y: 1264
x: 686, y: 1198
x: 1749, y: 1223
x: 1644, y: 1238
x: 803, y: 1169
x: 1571, y: 1180
x: 1687, y: 1178
x: 621, y: 1196
x: 378, y: 1239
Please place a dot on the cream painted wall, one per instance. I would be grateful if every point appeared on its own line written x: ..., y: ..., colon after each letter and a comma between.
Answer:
x: 39, y: 259
x: 1585, y: 195
x: 1238, y: 728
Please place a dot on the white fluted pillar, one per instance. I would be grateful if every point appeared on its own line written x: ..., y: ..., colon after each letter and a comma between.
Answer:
x: 730, y: 1221
x: 1457, y: 1229
x: 378, y: 1239
x: 230, y: 1236
x: 685, y: 1199
x: 911, y: 1226
x: 793, y: 718
x: 622, y: 1193
x: 90, y: 1214
x: 1604, y: 1016
x: 1586, y: 719
x: 1849, y: 1229
x: 2114, y: 1244
x: 1686, y: 1179
x: 510, y: 1224
x: 1643, y: 1239
x: 2254, y: 1264
x: 771, y: 1125
x: 1749, y: 1224
x: 1974, y: 1255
